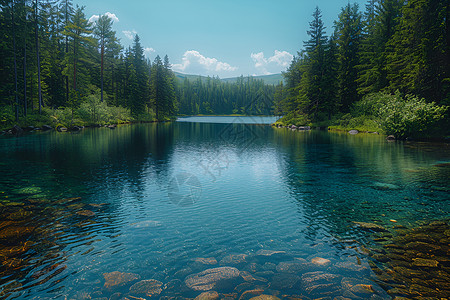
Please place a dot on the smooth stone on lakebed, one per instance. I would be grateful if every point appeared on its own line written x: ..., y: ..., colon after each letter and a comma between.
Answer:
x: 209, y: 278
x: 212, y: 295
x: 117, y: 278
x: 264, y: 252
x: 149, y: 288
x: 265, y: 297
x: 422, y: 262
x: 370, y: 226
x: 233, y: 259
x: 251, y: 294
x: 292, y: 267
x: 319, y: 261
x: 206, y: 260
x: 362, y: 289
x: 284, y: 281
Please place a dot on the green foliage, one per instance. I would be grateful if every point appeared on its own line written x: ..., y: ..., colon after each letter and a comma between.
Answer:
x: 6, y: 116
x: 294, y: 118
x: 361, y: 123
x: 371, y: 104
x: 411, y: 117
x: 246, y: 96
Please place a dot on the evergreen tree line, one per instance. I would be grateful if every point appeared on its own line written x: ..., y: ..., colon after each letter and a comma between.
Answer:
x: 394, y: 47
x: 247, y: 96
x: 53, y: 57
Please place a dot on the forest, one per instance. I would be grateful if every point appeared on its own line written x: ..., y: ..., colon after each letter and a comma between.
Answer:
x: 59, y: 68
x: 384, y: 69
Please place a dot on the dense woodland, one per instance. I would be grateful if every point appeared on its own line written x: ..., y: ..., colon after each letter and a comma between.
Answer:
x: 246, y: 96
x: 57, y: 65
x: 389, y: 62
x: 54, y: 61
x: 383, y: 67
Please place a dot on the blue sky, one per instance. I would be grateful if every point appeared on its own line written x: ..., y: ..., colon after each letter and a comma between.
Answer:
x: 224, y: 38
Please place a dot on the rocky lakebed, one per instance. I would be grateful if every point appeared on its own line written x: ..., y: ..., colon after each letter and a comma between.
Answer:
x: 398, y: 263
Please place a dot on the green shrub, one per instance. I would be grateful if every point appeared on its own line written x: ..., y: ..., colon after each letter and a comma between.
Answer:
x: 93, y: 111
x: 119, y: 115
x: 370, y: 104
x: 294, y: 118
x: 411, y: 117
x: 6, y: 117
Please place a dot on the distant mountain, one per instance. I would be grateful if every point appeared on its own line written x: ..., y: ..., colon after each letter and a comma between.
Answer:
x: 268, y: 79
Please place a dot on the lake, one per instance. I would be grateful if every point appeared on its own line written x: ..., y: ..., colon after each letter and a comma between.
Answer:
x: 222, y: 204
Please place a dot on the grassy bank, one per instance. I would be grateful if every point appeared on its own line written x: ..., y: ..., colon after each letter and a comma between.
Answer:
x: 403, y: 117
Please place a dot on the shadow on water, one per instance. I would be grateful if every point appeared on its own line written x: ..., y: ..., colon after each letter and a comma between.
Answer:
x: 269, y: 211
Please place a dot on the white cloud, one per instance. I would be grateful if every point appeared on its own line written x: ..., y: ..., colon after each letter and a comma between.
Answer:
x: 276, y: 63
x: 281, y: 58
x: 149, y: 51
x: 130, y: 34
x: 195, y: 63
x: 112, y: 16
x: 93, y: 19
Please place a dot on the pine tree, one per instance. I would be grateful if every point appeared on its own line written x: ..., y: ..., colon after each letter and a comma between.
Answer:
x: 348, y: 36
x: 419, y: 60
x: 311, y: 96
x: 78, y: 31
x: 381, y: 19
x: 104, y: 33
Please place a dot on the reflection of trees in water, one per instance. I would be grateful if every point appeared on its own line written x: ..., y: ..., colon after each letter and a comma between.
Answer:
x: 338, y: 179
x: 39, y: 230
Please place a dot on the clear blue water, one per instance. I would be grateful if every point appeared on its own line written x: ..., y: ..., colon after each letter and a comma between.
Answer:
x: 230, y: 119
x: 154, y: 198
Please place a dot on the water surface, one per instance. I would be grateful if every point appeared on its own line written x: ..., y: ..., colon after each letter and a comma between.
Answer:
x: 156, y: 200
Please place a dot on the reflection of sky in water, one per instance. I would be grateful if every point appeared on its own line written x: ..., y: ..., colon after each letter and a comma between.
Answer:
x: 293, y: 191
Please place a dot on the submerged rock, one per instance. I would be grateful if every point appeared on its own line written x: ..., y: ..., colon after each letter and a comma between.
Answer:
x: 117, y: 279
x: 265, y: 297
x: 319, y: 261
x: 264, y: 252
x: 284, y: 281
x: 251, y: 293
x: 86, y: 213
x: 206, y: 261
x: 233, y: 259
x: 149, y: 288
x: 292, y: 267
x: 212, y: 295
x: 422, y: 262
x: 208, y: 279
x: 370, y: 226
x: 362, y: 289
x: 385, y: 186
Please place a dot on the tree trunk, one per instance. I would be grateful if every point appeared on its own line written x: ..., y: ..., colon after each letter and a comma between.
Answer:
x: 38, y: 59
x: 67, y: 51
x: 102, y: 54
x: 25, y: 63
x: 74, y: 65
x: 15, y: 62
